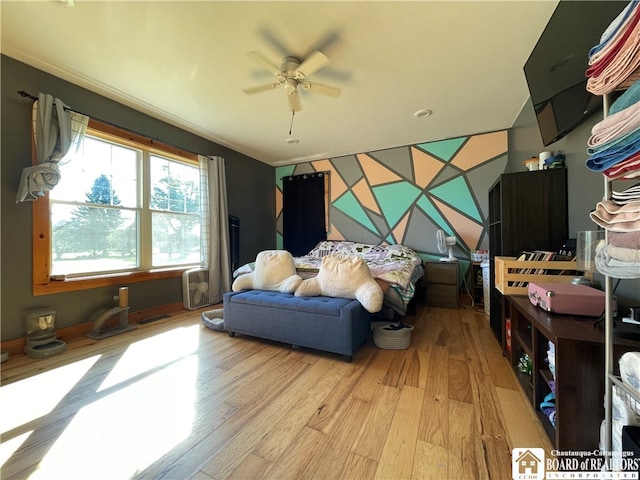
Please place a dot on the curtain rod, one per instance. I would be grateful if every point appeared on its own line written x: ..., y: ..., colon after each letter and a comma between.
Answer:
x: 303, y: 174
x: 22, y: 93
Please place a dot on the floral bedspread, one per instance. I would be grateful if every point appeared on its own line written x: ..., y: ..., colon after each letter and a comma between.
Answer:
x: 398, y: 265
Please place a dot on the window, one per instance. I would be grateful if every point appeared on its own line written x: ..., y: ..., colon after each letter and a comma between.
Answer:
x: 125, y: 206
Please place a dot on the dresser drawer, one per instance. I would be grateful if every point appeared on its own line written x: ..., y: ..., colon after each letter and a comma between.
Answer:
x: 442, y: 272
x: 439, y: 295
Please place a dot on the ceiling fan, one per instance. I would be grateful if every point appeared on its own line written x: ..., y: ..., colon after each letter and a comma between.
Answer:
x: 291, y: 74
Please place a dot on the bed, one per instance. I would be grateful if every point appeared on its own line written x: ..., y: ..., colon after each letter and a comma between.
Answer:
x: 397, y: 268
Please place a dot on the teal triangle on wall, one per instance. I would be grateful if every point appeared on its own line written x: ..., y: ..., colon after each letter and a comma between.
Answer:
x: 444, y: 149
x: 456, y: 193
x: 395, y: 199
x: 433, y: 213
x: 349, y: 205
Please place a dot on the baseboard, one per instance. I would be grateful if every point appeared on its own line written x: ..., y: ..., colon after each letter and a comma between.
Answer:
x: 66, y: 334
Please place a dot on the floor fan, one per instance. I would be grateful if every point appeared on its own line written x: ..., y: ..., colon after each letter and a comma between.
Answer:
x: 446, y: 243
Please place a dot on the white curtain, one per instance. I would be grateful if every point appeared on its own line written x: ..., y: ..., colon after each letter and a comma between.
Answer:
x: 214, y: 228
x: 57, y: 133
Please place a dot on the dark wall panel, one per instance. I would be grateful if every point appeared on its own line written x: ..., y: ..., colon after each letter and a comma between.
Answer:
x: 250, y: 188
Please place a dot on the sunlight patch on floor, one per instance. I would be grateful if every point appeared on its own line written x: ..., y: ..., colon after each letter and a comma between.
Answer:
x: 34, y: 397
x: 120, y: 435
x: 9, y: 447
x: 153, y: 352
x: 144, y: 408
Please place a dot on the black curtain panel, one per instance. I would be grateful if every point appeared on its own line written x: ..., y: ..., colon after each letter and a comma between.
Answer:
x: 303, y: 212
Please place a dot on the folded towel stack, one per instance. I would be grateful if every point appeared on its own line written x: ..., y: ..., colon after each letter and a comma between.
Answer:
x: 620, y: 216
x: 614, y: 144
x: 614, y: 62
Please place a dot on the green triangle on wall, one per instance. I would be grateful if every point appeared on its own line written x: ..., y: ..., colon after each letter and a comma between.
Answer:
x: 395, y: 199
x: 349, y: 205
x: 433, y: 214
x: 456, y: 193
x: 444, y: 149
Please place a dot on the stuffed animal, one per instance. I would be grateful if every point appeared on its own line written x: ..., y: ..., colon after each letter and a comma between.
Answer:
x: 274, y: 270
x: 345, y: 276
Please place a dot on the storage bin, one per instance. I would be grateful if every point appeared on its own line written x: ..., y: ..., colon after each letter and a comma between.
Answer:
x: 389, y: 338
x: 511, y: 278
x: 486, y: 293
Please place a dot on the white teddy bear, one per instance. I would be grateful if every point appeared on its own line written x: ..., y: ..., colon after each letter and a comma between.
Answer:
x: 345, y: 276
x: 274, y: 270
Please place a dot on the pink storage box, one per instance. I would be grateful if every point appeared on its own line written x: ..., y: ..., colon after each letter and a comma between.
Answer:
x: 567, y: 298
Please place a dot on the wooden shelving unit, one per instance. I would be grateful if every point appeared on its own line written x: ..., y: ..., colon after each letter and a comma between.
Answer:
x: 579, y: 354
x: 527, y: 211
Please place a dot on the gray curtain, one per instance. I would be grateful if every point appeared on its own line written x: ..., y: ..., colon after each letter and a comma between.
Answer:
x: 215, y: 225
x: 57, y: 133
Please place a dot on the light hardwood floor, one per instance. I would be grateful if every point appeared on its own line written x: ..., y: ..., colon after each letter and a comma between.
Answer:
x: 175, y: 400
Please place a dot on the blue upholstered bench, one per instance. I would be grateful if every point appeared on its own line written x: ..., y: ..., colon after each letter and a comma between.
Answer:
x: 336, y: 325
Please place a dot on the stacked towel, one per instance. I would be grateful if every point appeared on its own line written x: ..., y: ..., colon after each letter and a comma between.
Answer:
x: 614, y: 144
x: 617, y: 218
x: 631, y: 194
x: 619, y: 257
x: 614, y: 63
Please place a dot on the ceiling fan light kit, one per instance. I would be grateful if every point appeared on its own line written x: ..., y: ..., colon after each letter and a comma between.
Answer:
x: 291, y: 74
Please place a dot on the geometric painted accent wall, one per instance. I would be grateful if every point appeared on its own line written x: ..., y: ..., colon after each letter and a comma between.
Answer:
x: 405, y: 194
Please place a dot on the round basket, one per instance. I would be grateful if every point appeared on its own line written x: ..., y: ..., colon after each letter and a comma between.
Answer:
x: 213, y: 319
x: 389, y: 337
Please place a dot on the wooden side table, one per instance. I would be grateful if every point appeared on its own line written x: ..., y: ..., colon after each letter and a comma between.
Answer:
x: 441, y: 284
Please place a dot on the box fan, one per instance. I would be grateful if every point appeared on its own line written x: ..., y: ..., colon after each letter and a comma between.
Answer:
x: 195, y: 288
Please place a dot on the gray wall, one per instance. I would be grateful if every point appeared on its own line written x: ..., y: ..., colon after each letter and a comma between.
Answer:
x: 585, y: 186
x: 250, y: 188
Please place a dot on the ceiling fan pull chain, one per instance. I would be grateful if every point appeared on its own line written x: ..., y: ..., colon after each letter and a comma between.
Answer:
x: 293, y: 112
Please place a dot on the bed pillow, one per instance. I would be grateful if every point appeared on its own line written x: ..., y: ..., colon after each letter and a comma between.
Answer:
x: 345, y: 276
x: 274, y: 270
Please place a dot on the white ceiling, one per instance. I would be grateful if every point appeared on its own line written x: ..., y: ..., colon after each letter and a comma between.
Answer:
x: 186, y: 63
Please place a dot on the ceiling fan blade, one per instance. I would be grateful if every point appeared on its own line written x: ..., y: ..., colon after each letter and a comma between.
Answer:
x: 313, y: 63
x: 321, y: 88
x: 264, y: 62
x: 294, y: 101
x: 260, y: 88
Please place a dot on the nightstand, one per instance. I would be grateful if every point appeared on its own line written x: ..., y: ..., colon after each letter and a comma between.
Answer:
x: 441, y: 284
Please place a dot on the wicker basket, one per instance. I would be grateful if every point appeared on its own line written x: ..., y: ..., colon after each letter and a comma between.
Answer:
x: 388, y: 338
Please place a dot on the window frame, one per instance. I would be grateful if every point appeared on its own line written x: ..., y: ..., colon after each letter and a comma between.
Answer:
x: 43, y: 284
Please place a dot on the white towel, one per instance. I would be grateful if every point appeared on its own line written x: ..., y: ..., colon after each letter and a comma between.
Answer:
x: 621, y: 410
x: 630, y: 369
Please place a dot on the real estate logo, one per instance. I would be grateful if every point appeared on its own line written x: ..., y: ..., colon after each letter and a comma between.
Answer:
x: 527, y: 463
